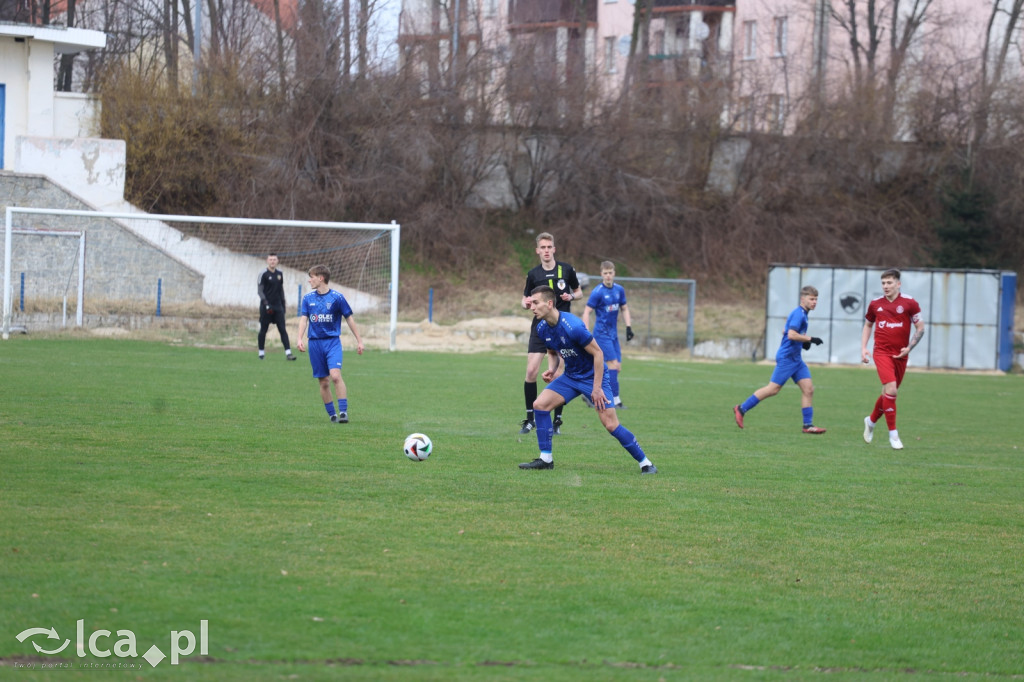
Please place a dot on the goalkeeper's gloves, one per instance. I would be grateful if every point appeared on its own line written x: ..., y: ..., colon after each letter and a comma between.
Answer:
x: 629, y: 333
x: 815, y: 340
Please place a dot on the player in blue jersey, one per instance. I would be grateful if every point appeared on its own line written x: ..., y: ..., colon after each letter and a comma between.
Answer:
x: 322, y: 310
x: 608, y: 300
x: 569, y: 343
x: 561, y: 277
x: 789, y: 364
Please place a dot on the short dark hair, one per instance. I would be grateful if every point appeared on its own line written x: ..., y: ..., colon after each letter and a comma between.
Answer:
x: 321, y: 271
x: 891, y: 272
x: 546, y: 292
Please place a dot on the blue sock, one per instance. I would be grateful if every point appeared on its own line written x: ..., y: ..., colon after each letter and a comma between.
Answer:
x: 330, y: 408
x: 545, y: 431
x: 613, y: 375
x: 342, y: 404
x: 749, y: 404
x: 808, y: 415
x: 628, y: 441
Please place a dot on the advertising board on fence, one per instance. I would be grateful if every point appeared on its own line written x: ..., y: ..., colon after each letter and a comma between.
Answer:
x: 968, y: 314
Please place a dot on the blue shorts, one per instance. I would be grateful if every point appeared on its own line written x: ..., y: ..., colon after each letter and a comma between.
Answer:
x: 569, y: 388
x: 325, y: 355
x: 787, y: 369
x: 610, y: 347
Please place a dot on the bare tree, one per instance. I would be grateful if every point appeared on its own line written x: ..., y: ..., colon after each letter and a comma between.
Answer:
x: 877, y: 75
x: 994, y: 62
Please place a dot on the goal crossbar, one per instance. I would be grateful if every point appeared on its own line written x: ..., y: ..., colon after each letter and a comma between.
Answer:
x: 393, y: 227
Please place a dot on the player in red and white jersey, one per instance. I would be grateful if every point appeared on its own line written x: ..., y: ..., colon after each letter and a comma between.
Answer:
x: 891, y: 317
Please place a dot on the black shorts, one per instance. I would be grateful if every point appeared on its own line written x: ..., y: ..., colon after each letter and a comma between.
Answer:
x: 537, y: 344
x: 276, y: 318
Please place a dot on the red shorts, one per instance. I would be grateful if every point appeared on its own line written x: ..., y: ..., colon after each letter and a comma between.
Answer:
x: 889, y: 368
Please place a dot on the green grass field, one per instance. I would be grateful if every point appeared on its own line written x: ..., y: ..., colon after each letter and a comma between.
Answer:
x: 147, y: 487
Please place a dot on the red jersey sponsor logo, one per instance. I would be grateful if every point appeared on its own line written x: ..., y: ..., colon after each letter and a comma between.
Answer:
x: 892, y: 321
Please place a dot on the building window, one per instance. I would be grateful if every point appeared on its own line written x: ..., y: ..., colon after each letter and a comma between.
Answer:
x: 610, y: 45
x: 749, y: 39
x: 659, y: 43
x: 776, y: 113
x: 781, y: 29
x: 746, y: 115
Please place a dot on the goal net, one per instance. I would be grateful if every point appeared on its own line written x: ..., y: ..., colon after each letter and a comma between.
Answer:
x: 661, y: 311
x: 200, y: 271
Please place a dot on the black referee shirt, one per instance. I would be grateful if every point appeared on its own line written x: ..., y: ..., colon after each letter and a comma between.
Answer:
x: 562, y: 278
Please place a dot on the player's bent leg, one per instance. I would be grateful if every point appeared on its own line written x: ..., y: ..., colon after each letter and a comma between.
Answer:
x: 767, y: 391
x: 628, y: 441
x: 889, y: 408
x: 548, y: 400
x: 755, y: 398
x: 609, y: 418
x: 542, y: 406
x: 806, y: 409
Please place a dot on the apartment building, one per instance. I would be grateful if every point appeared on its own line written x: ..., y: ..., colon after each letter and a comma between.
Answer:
x: 764, y: 63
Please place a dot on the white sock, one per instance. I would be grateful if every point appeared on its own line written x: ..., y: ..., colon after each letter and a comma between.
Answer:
x: 262, y: 353
x: 546, y: 456
x: 288, y: 351
x: 646, y: 463
x: 894, y: 434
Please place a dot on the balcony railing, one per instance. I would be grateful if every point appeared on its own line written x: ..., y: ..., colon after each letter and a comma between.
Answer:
x: 695, y: 4
x: 527, y: 12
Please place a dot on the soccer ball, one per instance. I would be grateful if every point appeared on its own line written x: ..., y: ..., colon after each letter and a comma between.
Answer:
x: 418, y: 447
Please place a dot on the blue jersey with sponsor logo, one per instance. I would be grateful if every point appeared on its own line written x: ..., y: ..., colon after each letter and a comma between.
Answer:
x: 568, y: 338
x: 606, y: 302
x: 325, y: 313
x: 789, y: 349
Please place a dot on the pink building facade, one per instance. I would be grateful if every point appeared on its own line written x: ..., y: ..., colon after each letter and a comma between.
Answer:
x: 792, y: 54
x: 776, y: 59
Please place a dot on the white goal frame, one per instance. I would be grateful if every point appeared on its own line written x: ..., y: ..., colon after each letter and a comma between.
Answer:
x: 394, y: 228
x: 637, y: 294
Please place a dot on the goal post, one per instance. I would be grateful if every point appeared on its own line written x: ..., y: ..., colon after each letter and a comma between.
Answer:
x: 212, y: 263
x: 74, y: 261
x: 661, y: 310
